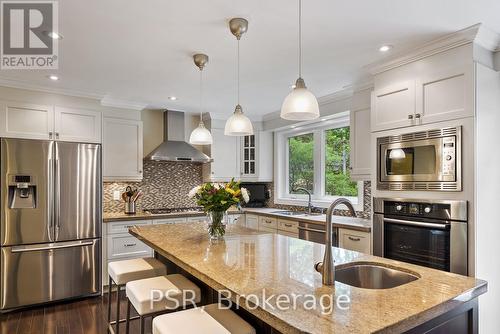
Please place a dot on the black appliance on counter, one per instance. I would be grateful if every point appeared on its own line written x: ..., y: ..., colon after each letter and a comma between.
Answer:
x: 423, y: 232
x: 259, y: 194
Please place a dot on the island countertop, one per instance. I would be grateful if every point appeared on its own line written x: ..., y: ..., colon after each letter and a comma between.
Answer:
x: 249, y: 262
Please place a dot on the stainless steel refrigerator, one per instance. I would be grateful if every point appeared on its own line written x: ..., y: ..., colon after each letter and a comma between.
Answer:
x: 50, y: 217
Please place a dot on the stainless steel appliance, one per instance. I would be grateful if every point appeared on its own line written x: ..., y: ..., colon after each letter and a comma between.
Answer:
x: 427, y: 160
x: 50, y: 221
x: 316, y: 233
x: 423, y: 232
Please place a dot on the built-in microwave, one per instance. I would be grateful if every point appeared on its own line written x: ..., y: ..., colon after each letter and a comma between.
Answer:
x: 426, y: 160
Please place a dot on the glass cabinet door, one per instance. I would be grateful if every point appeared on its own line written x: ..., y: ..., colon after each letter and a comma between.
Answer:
x: 249, y: 156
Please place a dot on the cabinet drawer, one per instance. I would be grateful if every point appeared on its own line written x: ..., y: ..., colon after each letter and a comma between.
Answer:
x: 169, y: 221
x: 289, y: 234
x: 197, y: 219
x: 126, y: 245
x: 122, y: 227
x: 354, y: 240
x: 267, y: 222
x: 288, y: 226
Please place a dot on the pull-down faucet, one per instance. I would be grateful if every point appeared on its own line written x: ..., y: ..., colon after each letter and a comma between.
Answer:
x: 309, y: 203
x: 327, y: 268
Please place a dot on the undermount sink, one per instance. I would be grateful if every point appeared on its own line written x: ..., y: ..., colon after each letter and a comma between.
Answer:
x: 372, y: 276
x: 289, y: 213
x: 312, y: 214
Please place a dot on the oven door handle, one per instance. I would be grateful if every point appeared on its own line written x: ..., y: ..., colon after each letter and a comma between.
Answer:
x: 414, y: 223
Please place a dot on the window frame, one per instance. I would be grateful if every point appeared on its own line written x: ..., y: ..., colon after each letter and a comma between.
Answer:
x: 282, y: 186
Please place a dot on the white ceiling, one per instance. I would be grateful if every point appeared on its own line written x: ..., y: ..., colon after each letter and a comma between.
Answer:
x: 141, y: 50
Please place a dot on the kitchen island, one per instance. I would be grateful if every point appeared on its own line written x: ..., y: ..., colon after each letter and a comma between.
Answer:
x: 249, y: 267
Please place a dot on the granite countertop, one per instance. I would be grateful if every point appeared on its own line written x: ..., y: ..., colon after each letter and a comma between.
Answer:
x: 249, y: 262
x: 338, y: 221
x: 353, y: 223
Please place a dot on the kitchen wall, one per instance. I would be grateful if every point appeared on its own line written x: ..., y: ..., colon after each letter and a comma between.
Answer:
x: 165, y: 184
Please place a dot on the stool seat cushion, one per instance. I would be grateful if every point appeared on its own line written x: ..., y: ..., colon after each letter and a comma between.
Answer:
x: 162, y: 293
x: 207, y: 320
x: 130, y: 270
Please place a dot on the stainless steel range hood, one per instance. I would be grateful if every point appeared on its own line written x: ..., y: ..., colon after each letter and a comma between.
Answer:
x: 174, y: 147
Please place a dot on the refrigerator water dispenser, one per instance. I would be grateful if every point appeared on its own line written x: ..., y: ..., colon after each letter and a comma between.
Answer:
x: 22, y: 192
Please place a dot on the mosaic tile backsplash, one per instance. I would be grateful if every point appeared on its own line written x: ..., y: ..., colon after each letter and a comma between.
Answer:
x: 165, y: 184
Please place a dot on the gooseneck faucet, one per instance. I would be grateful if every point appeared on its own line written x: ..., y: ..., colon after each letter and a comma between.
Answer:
x: 309, y: 204
x: 327, y: 268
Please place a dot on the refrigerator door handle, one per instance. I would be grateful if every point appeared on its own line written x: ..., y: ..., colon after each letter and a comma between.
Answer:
x: 57, y: 195
x: 50, y: 199
x: 32, y: 248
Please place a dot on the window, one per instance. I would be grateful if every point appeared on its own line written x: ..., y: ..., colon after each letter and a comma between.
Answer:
x: 337, y: 177
x: 316, y: 157
x: 301, y: 162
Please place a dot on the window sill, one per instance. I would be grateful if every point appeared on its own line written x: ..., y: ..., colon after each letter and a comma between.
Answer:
x: 319, y: 203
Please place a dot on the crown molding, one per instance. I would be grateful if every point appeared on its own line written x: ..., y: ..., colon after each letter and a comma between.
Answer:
x: 13, y: 83
x: 478, y: 34
x: 124, y: 104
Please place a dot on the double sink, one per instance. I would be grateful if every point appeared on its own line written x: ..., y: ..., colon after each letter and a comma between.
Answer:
x: 296, y: 213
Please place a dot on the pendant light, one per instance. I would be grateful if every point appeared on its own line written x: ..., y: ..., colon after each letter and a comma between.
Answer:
x: 300, y: 104
x: 238, y: 124
x: 200, y: 135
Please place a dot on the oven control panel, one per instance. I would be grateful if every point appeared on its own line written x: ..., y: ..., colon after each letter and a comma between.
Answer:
x: 448, y: 156
x: 415, y: 209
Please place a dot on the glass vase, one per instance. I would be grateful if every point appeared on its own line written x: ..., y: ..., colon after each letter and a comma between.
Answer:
x: 217, y: 224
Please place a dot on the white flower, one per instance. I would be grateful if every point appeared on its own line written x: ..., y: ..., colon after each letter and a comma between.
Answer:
x: 245, y: 195
x: 218, y: 186
x: 194, y: 191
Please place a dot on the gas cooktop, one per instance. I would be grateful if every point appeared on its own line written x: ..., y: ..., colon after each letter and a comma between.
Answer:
x: 162, y: 211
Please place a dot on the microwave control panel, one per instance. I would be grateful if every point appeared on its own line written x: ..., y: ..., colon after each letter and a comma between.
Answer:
x: 448, y: 158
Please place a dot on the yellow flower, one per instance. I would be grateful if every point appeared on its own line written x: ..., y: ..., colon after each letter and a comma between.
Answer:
x: 231, y: 191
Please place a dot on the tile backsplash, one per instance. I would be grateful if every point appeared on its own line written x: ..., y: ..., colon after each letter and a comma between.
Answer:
x: 165, y: 184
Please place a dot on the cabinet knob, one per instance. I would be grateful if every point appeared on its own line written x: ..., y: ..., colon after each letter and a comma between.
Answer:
x: 417, y: 115
x: 410, y: 116
x: 57, y: 135
x: 50, y: 135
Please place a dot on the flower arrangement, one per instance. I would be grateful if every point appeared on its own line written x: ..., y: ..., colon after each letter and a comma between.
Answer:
x: 216, y: 199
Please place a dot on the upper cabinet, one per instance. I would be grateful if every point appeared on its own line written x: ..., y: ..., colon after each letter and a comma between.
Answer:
x: 247, y: 158
x: 25, y: 120
x: 360, y: 144
x: 77, y: 125
x: 393, y: 106
x: 33, y: 121
x: 435, y: 89
x: 122, y: 149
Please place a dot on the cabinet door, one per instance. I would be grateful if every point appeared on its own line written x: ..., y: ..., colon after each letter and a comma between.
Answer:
x: 445, y: 95
x: 268, y: 223
x: 393, y: 106
x: 169, y: 221
x: 360, y: 141
x: 252, y: 221
x: 225, y: 152
x: 249, y: 168
x: 24, y: 120
x: 77, y: 125
x: 354, y: 240
x: 122, y: 150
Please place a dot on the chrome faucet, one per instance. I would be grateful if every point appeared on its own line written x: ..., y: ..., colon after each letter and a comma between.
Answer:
x: 309, y: 204
x: 327, y: 268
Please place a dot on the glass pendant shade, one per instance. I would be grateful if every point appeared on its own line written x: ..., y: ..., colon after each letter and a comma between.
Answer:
x: 300, y: 104
x: 238, y: 124
x: 200, y: 136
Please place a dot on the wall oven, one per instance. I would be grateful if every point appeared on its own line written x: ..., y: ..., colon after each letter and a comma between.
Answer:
x: 431, y: 234
x: 426, y: 160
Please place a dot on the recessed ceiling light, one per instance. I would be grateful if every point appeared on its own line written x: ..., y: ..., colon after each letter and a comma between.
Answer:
x: 53, y: 34
x: 385, y: 48
x: 293, y: 126
x: 53, y: 77
x: 323, y: 119
x: 172, y: 98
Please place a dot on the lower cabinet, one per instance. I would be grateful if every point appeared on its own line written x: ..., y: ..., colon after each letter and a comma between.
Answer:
x: 252, y: 221
x: 355, y: 240
x: 267, y: 223
x: 169, y: 221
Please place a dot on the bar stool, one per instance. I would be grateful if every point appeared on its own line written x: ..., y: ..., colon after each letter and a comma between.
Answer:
x: 173, y: 292
x: 210, y: 319
x: 121, y: 272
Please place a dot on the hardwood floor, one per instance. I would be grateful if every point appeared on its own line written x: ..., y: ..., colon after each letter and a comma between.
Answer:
x: 84, y: 316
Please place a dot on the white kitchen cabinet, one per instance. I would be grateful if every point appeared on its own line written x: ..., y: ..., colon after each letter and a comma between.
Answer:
x: 252, y: 221
x: 169, y: 221
x: 256, y: 157
x: 268, y: 223
x: 393, y: 106
x: 77, y: 125
x: 122, y: 149
x: 445, y: 95
x: 25, y: 120
x: 360, y: 142
x: 355, y: 240
x: 288, y: 234
x: 290, y: 228
x: 196, y: 219
x: 225, y: 153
